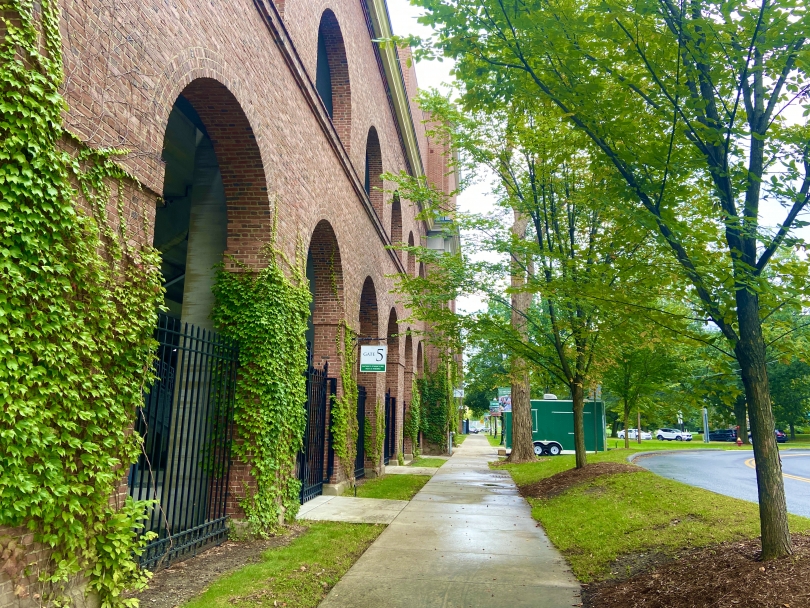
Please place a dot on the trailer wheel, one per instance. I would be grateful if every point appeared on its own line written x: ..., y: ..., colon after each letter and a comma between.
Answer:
x: 539, y: 449
x: 555, y: 449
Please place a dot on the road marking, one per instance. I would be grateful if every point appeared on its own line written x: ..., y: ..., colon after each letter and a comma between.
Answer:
x: 750, y: 464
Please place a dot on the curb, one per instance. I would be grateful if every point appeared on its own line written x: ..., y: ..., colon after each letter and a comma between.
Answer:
x: 633, y: 457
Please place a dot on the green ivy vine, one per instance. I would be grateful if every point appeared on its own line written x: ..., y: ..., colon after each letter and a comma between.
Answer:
x: 374, y: 435
x: 437, y: 411
x: 344, y: 408
x: 78, y: 308
x: 266, y: 312
x: 413, y: 418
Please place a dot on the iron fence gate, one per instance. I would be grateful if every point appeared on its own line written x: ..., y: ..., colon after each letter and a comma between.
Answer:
x: 310, y: 463
x: 387, y: 442
x: 186, y: 423
x: 360, y: 460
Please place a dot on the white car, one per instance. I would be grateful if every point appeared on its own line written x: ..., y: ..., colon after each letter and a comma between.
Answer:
x: 673, y: 435
x: 633, y: 434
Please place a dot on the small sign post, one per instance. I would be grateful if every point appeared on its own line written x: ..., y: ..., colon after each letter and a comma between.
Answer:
x: 373, y: 358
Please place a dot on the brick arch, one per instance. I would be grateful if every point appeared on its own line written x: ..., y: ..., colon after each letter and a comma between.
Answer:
x: 410, y: 264
x: 407, y: 392
x: 369, y: 332
x: 396, y: 221
x: 394, y: 378
x: 240, y: 163
x: 373, y: 173
x: 338, y: 101
x: 420, y: 361
x: 325, y: 271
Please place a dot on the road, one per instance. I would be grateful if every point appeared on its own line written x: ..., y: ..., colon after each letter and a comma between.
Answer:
x: 732, y: 473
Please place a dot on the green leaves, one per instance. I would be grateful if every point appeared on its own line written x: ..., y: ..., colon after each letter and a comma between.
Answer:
x: 69, y: 290
x: 266, y: 312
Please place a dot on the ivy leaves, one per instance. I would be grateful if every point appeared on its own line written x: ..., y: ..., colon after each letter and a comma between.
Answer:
x: 266, y: 312
x: 77, y: 314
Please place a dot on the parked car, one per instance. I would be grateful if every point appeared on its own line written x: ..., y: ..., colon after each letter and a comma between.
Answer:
x: 633, y: 434
x: 673, y: 435
x: 723, y: 435
x: 781, y: 436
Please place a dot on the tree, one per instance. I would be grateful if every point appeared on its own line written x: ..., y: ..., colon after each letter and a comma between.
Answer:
x: 564, y: 250
x: 710, y: 82
x: 642, y: 368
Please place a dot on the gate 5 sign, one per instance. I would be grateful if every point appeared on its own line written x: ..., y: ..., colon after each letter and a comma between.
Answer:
x: 373, y: 358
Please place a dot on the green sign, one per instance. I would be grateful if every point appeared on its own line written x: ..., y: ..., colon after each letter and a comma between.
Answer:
x: 504, y: 391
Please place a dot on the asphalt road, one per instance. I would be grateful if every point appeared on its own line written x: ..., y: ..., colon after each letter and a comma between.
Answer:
x: 732, y: 473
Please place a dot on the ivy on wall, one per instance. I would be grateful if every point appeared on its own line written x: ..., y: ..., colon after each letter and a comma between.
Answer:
x: 413, y: 419
x: 344, y: 408
x: 266, y: 312
x: 78, y: 308
x: 437, y: 407
x: 374, y: 436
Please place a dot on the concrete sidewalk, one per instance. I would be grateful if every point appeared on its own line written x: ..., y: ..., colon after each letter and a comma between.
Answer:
x: 467, y: 539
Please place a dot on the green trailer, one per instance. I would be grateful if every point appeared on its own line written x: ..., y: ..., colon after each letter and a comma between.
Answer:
x: 553, y: 426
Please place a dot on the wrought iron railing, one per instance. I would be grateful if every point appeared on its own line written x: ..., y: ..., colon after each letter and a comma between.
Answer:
x: 360, y: 460
x: 186, y: 424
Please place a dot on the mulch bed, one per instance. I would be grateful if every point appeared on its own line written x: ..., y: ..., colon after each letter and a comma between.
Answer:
x: 174, y: 586
x: 723, y: 576
x: 559, y: 483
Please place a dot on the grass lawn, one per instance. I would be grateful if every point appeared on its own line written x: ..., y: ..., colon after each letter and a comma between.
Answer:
x: 459, y: 439
x: 394, y: 487
x: 603, y: 526
x: 493, y: 441
x: 428, y: 462
x: 299, y: 574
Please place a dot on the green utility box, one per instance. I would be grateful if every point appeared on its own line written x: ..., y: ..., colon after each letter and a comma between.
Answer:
x: 553, y: 420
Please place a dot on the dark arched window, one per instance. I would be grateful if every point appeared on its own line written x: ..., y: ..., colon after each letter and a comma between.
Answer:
x: 332, y: 76
x: 374, y: 169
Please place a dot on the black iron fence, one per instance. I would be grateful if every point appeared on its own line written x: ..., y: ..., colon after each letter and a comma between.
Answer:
x: 186, y: 424
x: 360, y: 460
x: 311, y: 458
x: 388, y: 431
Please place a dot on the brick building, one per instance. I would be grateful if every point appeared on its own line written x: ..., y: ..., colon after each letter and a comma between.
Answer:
x: 232, y: 108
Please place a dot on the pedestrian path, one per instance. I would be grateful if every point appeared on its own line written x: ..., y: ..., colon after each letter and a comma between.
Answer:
x: 466, y: 540
x: 350, y: 509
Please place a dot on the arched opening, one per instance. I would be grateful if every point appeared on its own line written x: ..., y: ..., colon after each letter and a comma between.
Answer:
x: 214, y: 178
x: 332, y: 76
x: 393, y: 392
x: 421, y: 270
x: 411, y: 259
x: 396, y: 222
x: 325, y: 275
x: 420, y: 364
x: 407, y: 392
x: 369, y: 383
x: 374, y: 169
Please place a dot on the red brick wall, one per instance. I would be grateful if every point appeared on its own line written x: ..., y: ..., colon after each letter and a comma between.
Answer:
x: 252, y: 83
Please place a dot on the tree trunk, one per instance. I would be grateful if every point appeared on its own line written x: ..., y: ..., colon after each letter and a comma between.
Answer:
x: 614, y: 428
x: 522, y: 442
x: 792, y: 432
x: 739, y: 414
x: 578, y: 395
x: 750, y: 351
x: 626, y: 423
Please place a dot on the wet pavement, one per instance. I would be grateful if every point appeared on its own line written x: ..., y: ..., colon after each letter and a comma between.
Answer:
x: 732, y: 473
x: 467, y: 539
